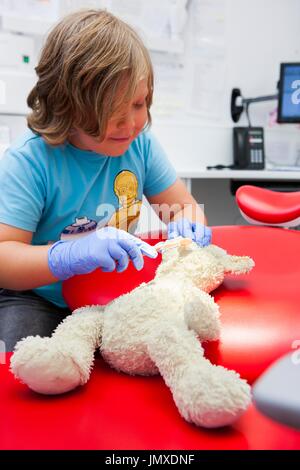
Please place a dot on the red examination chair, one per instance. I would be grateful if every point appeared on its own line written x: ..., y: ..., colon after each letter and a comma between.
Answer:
x: 276, y: 393
x: 260, y: 315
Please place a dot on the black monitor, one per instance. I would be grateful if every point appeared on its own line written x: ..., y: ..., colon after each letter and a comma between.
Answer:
x: 289, y: 93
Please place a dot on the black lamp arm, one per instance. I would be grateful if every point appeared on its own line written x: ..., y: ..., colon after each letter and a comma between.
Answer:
x: 238, y: 102
x: 259, y: 99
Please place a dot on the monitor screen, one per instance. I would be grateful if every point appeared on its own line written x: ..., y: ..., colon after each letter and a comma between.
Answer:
x: 289, y: 93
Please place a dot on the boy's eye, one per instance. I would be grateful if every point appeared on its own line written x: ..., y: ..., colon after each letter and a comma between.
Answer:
x: 139, y: 105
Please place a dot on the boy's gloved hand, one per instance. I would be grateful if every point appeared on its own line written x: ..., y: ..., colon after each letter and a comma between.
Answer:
x: 107, y: 248
x: 195, y: 230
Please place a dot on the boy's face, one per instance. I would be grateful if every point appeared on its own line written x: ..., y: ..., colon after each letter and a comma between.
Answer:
x: 121, y: 130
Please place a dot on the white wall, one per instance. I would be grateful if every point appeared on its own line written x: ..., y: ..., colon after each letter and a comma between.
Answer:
x: 258, y: 35
x: 263, y: 33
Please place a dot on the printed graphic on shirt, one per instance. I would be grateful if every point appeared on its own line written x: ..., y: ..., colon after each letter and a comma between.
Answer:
x: 81, y: 226
x: 126, y: 190
x: 126, y: 217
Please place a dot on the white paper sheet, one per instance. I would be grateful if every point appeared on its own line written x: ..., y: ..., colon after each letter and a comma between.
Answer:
x: 42, y: 9
x: 160, y: 18
x: 207, y: 57
x: 209, y: 23
x: 169, y: 91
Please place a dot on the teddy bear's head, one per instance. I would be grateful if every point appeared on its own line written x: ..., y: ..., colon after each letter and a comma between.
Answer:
x: 204, y: 266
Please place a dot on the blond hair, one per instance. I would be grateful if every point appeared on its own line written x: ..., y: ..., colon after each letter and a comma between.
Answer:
x: 88, y: 57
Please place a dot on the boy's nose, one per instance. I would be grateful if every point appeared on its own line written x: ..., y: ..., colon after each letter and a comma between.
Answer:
x: 127, y: 122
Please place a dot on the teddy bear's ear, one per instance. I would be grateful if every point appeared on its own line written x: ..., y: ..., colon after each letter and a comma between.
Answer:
x: 216, y: 251
x: 176, y: 251
x: 237, y: 264
x: 169, y: 253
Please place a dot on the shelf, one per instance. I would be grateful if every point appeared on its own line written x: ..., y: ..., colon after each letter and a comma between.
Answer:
x: 240, y: 174
x: 159, y: 44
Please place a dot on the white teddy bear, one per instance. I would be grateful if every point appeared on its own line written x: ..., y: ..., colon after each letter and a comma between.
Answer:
x: 156, y: 328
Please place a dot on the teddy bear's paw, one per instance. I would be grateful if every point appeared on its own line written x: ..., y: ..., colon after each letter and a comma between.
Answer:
x: 238, y: 264
x: 201, y: 314
x: 213, y: 397
x: 40, y: 364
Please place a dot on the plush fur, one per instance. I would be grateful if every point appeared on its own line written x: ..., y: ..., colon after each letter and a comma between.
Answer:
x: 156, y: 328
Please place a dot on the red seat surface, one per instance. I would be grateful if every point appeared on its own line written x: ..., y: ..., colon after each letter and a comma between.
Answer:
x: 266, y: 206
x: 259, y: 311
x: 260, y: 321
x: 260, y: 314
x: 99, y: 288
x: 119, y: 412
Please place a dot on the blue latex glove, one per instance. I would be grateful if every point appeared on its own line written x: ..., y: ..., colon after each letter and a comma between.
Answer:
x: 107, y: 248
x: 195, y: 230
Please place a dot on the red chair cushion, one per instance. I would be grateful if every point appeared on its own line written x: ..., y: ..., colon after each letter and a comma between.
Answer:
x: 260, y: 320
x: 267, y: 206
x: 116, y: 411
x: 98, y: 288
x: 259, y: 311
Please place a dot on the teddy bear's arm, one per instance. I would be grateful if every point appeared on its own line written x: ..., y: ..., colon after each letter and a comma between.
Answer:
x: 64, y: 361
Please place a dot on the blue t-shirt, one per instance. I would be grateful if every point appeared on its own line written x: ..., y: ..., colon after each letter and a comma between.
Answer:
x: 59, y: 192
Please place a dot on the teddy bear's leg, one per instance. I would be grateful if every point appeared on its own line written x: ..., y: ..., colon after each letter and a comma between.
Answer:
x: 64, y: 361
x: 201, y: 314
x: 205, y: 394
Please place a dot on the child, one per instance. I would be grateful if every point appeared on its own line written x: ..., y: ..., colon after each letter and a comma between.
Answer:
x: 85, y: 163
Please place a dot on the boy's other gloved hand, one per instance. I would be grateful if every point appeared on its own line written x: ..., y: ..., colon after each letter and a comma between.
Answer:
x: 107, y: 248
x: 198, y: 232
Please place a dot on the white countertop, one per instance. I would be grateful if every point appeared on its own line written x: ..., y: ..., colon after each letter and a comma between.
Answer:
x: 240, y: 174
